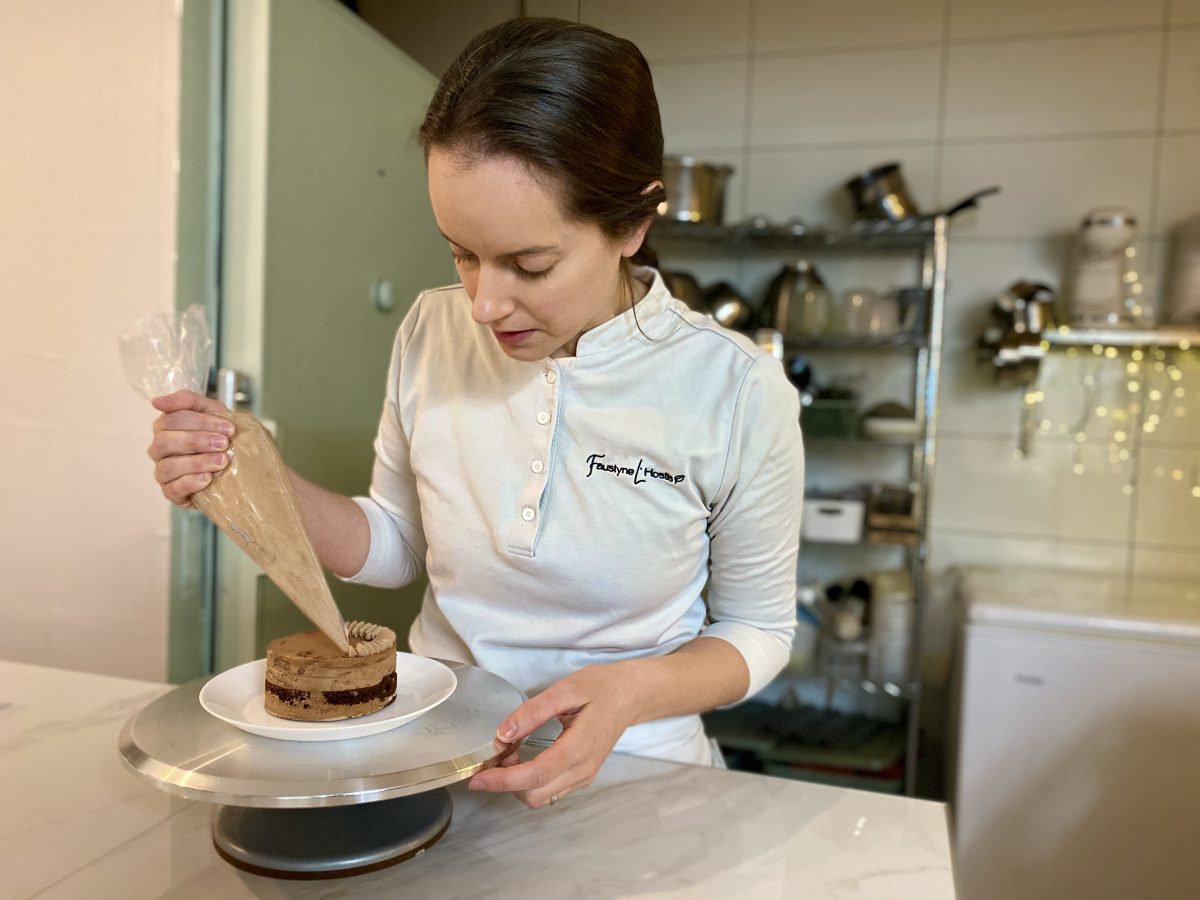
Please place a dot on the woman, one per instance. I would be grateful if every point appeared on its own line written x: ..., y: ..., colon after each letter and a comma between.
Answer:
x: 568, y: 451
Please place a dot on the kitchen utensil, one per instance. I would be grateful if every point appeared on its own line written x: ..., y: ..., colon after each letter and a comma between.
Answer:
x: 1031, y: 305
x: 1039, y: 315
x: 968, y: 202
x: 798, y: 300
x: 684, y: 286
x: 695, y: 189
x: 252, y: 499
x: 1185, y: 277
x: 236, y: 696
x: 854, y: 312
x: 728, y: 306
x: 1105, y: 287
x: 880, y: 193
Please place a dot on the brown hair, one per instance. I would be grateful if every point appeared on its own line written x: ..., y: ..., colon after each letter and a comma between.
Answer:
x: 570, y: 102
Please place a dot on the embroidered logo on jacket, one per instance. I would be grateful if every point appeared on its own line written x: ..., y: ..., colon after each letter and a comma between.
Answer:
x: 639, y: 474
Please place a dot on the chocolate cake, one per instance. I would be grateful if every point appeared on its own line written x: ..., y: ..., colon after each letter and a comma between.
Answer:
x: 310, y: 679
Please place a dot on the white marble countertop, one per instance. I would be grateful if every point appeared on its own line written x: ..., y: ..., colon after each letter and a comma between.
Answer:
x: 75, y: 823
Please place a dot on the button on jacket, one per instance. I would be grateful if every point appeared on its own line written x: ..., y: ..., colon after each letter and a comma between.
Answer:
x: 571, y: 511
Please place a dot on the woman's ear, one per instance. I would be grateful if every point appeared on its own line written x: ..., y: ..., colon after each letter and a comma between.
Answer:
x: 636, y: 238
x: 638, y: 235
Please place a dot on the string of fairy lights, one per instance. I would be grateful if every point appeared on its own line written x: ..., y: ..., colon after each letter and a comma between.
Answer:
x: 1123, y: 398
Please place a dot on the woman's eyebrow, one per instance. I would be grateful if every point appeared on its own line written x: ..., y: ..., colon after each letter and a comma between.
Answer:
x: 527, y: 251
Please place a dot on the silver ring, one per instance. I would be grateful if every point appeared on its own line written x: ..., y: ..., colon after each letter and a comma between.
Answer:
x: 553, y: 799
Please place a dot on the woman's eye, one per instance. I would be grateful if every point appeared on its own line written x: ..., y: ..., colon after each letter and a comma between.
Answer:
x: 531, y: 275
x: 461, y: 258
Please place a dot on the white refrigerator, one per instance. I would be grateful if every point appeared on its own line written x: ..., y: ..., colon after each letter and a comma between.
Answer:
x: 1075, y: 760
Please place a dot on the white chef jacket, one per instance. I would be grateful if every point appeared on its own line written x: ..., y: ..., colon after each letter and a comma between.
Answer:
x: 570, y: 511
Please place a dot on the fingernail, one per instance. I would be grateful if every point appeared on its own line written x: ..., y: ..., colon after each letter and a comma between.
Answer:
x: 225, y: 428
x: 506, y: 732
x: 221, y: 460
x: 219, y: 443
x: 474, y: 784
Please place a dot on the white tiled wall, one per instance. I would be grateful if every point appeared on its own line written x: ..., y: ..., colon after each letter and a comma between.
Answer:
x: 989, y: 19
x: 802, y: 25
x: 803, y: 99
x: 1067, y: 105
x: 1098, y: 83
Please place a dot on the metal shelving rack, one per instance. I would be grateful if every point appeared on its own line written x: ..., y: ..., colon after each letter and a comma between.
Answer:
x: 923, y: 235
x: 1178, y: 337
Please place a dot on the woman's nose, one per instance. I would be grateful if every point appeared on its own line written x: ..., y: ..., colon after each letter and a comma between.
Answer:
x: 488, y: 305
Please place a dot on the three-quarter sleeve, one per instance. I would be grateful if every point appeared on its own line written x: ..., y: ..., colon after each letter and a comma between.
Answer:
x: 398, y: 546
x: 754, y: 527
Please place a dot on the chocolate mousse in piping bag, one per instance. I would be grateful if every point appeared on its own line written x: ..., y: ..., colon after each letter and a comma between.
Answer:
x: 252, y: 499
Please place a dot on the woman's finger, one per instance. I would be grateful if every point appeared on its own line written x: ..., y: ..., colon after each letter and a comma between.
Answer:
x: 175, y: 467
x: 512, y: 759
x: 558, y: 699
x: 565, y: 784
x: 578, y: 766
x: 527, y: 776
x: 190, y: 420
x: 180, y: 490
x: 187, y: 400
x: 185, y: 443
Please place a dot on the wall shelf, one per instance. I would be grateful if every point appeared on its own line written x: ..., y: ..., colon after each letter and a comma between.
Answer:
x: 906, y: 341
x: 862, y: 441
x: 874, y: 538
x: 871, y: 234
x: 1167, y: 337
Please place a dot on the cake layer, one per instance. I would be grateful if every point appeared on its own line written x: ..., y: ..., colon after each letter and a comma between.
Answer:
x: 309, y: 678
x: 329, y: 706
x: 315, y: 676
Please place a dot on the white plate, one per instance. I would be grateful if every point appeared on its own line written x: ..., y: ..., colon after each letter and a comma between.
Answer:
x: 236, y: 697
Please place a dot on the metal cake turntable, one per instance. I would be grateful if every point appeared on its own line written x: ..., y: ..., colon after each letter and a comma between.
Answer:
x: 295, y: 809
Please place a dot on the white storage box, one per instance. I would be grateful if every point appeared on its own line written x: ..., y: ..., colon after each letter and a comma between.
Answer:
x: 834, y: 521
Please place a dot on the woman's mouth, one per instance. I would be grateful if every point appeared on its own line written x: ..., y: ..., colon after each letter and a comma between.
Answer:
x: 511, y: 337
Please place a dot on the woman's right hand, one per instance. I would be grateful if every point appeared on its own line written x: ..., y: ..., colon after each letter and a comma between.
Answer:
x: 191, y: 442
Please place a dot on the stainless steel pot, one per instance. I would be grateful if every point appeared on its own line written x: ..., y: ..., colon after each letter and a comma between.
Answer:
x: 728, y: 306
x: 695, y: 189
x: 882, y: 194
x: 1030, y: 306
x: 797, y: 301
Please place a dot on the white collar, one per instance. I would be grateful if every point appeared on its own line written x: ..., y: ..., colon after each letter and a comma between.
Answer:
x: 645, y: 319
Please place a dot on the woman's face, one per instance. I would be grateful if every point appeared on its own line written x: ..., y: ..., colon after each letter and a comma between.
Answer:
x: 536, y: 278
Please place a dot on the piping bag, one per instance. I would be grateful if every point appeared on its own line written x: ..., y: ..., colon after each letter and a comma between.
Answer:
x: 252, y: 499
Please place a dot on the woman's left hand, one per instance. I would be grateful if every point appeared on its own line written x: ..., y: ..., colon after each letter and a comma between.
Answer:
x: 595, y: 705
